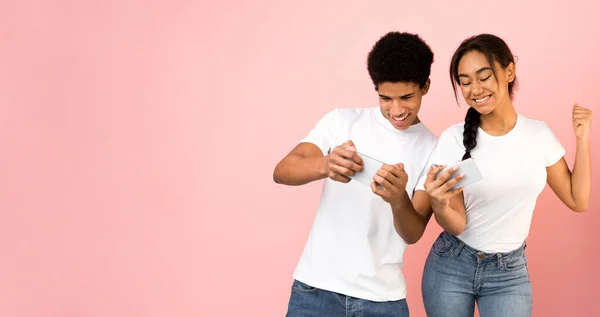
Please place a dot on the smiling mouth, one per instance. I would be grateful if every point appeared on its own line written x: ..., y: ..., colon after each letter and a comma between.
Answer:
x: 482, y: 100
x: 400, y: 119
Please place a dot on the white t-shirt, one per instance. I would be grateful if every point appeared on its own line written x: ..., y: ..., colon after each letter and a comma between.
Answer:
x: 500, y: 206
x: 353, y: 248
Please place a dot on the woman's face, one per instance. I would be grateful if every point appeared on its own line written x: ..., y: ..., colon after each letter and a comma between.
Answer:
x: 480, y: 88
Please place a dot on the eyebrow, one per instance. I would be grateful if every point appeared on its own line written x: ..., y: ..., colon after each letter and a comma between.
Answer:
x: 403, y: 96
x: 478, y: 72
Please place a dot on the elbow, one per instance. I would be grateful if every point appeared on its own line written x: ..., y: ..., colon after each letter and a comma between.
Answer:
x: 409, y: 238
x: 277, y: 179
x: 456, y: 230
x: 579, y: 206
x: 410, y: 241
x: 277, y: 175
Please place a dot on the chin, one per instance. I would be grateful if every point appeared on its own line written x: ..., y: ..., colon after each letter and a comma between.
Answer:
x: 402, y: 128
x: 483, y: 110
x: 405, y: 126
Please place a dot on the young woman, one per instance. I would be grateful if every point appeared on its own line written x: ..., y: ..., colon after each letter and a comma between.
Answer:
x: 480, y: 256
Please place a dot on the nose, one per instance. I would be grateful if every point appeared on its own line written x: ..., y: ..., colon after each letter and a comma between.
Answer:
x: 397, y: 108
x: 476, y: 88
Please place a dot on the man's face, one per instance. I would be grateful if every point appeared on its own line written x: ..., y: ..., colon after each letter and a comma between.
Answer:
x: 400, y: 102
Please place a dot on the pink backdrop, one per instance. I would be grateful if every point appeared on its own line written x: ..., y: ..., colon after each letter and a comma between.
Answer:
x: 139, y: 140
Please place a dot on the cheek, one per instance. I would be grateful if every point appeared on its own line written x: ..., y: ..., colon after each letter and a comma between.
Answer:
x: 415, y: 103
x: 384, y: 104
x: 465, y: 90
x: 491, y: 85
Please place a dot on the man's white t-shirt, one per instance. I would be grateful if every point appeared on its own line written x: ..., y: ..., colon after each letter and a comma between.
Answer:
x: 353, y: 248
x: 500, y: 206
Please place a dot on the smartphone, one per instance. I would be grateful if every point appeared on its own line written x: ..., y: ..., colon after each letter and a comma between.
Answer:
x: 370, y: 168
x: 472, y: 173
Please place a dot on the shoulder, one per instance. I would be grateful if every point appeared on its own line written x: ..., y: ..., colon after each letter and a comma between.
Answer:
x: 346, y: 115
x: 531, y: 125
x: 536, y: 129
x: 455, y: 132
x: 426, y: 136
x: 353, y: 112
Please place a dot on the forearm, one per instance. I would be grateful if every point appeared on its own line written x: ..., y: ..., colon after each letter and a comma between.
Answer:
x: 581, y: 177
x: 451, y: 220
x: 297, y: 170
x: 409, y: 224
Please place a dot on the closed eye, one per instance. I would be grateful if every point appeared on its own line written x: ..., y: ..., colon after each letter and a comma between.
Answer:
x: 488, y: 77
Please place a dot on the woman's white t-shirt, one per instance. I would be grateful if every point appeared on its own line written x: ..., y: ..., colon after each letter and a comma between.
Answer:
x: 500, y: 206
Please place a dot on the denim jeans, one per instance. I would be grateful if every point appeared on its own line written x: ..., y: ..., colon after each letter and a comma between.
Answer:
x: 457, y: 276
x: 308, y: 301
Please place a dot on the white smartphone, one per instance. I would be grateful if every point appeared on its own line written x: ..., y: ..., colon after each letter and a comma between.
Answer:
x: 472, y: 173
x: 370, y: 168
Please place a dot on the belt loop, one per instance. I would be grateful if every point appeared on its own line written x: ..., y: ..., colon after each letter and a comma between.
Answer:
x: 499, y: 255
x: 459, y: 247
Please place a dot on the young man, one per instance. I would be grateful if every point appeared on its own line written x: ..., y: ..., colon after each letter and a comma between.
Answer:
x: 352, y: 262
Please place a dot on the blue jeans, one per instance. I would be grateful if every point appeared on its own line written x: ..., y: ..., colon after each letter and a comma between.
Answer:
x: 457, y: 276
x: 308, y: 301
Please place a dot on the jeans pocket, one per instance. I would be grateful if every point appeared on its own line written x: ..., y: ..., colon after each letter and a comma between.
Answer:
x: 302, y: 288
x: 442, y: 246
x: 514, y: 263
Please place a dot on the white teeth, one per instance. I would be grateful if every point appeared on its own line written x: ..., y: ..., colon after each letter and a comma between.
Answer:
x: 401, y: 118
x: 482, y: 99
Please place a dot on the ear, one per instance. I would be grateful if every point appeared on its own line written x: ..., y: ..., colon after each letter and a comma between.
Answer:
x: 425, y: 88
x: 510, y: 72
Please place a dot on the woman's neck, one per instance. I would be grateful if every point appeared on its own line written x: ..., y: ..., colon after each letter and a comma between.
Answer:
x: 500, y: 121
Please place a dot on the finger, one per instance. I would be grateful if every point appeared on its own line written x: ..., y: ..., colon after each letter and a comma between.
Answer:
x: 582, y: 115
x: 445, y: 175
x: 396, y: 169
x: 346, y: 163
x: 383, y: 182
x: 453, y: 192
x: 581, y: 109
x: 433, y: 171
x: 349, y: 145
x: 344, y: 153
x: 348, y: 154
x: 356, y: 158
x: 341, y: 170
x: 446, y: 187
x: 582, y: 120
x: 390, y: 172
x: 377, y: 190
x: 340, y: 178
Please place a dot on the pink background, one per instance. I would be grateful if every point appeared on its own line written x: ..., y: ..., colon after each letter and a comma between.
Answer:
x: 139, y: 140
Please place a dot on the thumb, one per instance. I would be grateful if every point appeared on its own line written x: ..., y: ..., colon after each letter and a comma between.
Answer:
x: 349, y: 145
x: 431, y: 173
x: 430, y: 176
x: 400, y: 166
